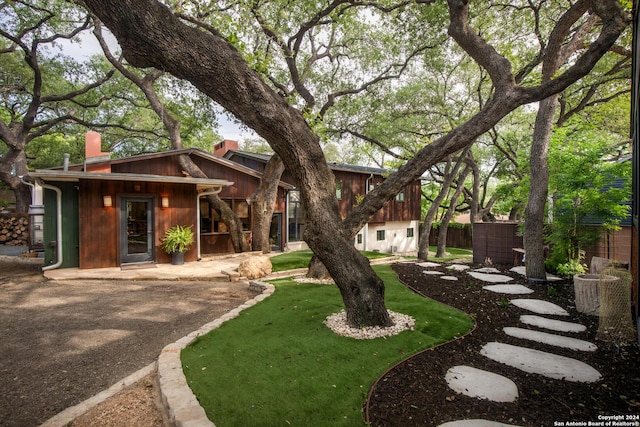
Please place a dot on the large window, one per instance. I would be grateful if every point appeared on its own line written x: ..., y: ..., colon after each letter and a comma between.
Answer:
x: 210, y: 221
x: 296, y: 218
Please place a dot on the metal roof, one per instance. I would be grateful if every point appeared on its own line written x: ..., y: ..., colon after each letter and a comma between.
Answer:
x: 75, y: 176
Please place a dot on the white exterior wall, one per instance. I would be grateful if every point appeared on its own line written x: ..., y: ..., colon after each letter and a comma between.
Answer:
x: 395, y: 241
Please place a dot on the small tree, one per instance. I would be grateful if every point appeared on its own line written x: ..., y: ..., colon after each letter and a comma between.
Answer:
x: 589, y: 188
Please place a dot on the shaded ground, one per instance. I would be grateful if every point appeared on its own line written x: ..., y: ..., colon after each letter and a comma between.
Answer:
x: 63, y: 342
x: 414, y: 393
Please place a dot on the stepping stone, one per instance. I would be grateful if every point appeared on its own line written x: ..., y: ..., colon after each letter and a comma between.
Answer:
x: 450, y: 278
x: 487, y: 270
x: 481, y: 384
x: 433, y: 272
x: 475, y: 423
x: 522, y: 270
x: 539, y: 306
x: 458, y: 267
x: 429, y: 264
x: 553, y: 325
x: 509, y: 289
x: 551, y: 339
x: 490, y: 278
x: 540, y: 362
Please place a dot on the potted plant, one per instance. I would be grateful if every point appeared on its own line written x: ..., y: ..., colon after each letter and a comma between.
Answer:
x: 176, y: 241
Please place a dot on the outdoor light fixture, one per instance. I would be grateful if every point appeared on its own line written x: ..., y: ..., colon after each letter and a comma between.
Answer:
x: 165, y: 202
x: 107, y: 201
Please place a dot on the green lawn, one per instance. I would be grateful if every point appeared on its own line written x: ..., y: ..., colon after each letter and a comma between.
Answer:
x: 277, y: 364
x: 300, y: 259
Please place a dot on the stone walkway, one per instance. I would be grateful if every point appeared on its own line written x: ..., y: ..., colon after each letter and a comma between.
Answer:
x: 492, y: 386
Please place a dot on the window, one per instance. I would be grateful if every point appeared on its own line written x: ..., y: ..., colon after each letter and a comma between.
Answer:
x: 210, y: 221
x: 339, y: 190
x: 400, y: 197
x: 409, y: 232
x: 295, y: 218
x: 359, y: 239
x: 380, y: 234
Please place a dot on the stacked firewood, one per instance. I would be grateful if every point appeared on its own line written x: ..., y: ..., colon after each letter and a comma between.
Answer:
x: 14, y: 230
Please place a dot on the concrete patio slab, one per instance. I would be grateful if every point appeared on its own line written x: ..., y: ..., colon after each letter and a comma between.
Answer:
x: 481, y: 384
x: 551, y: 339
x: 539, y: 306
x: 509, y: 289
x: 490, y: 277
x: 551, y: 324
x: 475, y: 423
x: 540, y: 362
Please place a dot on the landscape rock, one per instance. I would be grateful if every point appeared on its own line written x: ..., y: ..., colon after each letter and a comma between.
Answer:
x: 255, y: 267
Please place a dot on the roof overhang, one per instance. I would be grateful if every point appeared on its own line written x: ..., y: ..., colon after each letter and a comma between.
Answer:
x: 75, y: 176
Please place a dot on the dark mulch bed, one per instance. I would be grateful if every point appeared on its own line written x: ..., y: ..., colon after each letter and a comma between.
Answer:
x: 414, y: 393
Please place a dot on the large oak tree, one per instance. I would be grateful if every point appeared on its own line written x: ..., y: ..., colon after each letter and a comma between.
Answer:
x: 151, y: 35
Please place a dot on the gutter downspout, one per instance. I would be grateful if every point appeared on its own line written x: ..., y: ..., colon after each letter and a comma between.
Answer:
x: 204, y: 193
x: 58, y: 223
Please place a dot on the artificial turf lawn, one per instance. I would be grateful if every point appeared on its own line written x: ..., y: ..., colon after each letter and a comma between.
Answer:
x: 278, y: 364
x: 300, y: 259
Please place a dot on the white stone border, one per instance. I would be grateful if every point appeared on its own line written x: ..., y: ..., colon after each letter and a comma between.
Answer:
x: 183, y: 409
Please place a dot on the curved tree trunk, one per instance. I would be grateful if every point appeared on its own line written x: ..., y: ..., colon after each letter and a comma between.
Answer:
x: 317, y: 270
x: 534, y: 214
x: 557, y: 52
x: 263, y: 204
x: 12, y: 167
x: 448, y: 216
x: 231, y: 220
x: 173, y: 125
x: 425, y: 232
x: 150, y: 35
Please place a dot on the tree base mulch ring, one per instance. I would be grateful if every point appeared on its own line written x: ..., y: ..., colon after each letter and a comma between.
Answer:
x: 414, y: 392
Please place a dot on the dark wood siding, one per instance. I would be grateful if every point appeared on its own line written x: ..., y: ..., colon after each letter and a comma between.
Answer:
x: 354, y: 185
x: 100, y: 227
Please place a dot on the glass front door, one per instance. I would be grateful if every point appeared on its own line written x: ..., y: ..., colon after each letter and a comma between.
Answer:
x: 136, y: 230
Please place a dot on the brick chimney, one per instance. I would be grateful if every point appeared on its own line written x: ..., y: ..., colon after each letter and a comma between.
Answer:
x: 221, y: 148
x: 93, y: 153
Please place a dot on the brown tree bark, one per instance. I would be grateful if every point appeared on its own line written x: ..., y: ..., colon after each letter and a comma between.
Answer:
x: 556, y: 53
x: 12, y: 167
x: 263, y: 204
x: 425, y: 232
x: 150, y: 35
x: 146, y: 84
x: 448, y: 216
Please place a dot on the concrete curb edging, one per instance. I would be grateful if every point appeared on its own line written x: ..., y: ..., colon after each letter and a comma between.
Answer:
x: 182, y: 407
x: 70, y: 414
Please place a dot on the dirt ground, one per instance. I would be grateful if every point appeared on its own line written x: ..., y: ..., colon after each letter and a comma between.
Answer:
x: 63, y: 342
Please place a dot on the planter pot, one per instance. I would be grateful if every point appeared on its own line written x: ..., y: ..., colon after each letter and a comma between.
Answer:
x: 177, y: 258
x: 586, y: 290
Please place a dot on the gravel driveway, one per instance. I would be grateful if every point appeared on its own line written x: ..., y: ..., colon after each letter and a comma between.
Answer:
x: 62, y: 342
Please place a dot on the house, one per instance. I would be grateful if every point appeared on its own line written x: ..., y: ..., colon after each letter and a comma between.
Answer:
x: 113, y: 212
x: 393, y: 229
